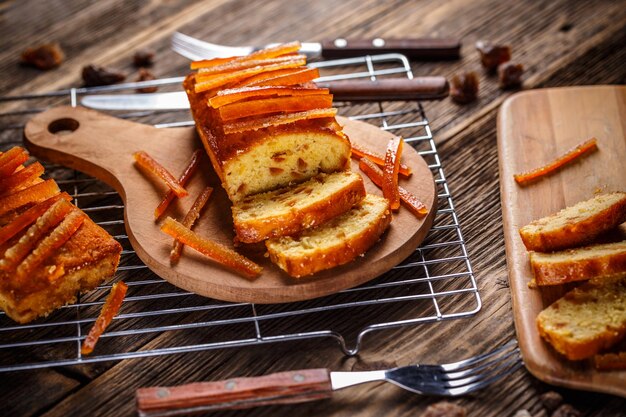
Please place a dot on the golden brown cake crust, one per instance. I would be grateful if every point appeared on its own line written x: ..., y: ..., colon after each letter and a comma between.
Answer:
x: 575, y: 233
x: 325, y: 258
x: 88, y: 257
x: 561, y: 267
x: 305, y: 216
x: 586, y: 320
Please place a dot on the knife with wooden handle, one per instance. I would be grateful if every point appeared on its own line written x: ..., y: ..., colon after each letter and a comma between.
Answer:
x: 386, y: 89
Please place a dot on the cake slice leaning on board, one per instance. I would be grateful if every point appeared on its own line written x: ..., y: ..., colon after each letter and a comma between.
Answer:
x: 274, y: 142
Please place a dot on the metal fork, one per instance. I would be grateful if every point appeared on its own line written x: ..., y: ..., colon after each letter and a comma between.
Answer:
x: 452, y: 379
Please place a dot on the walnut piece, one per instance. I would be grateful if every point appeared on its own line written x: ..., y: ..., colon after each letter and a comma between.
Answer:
x: 143, y: 58
x: 492, y: 55
x: 551, y: 400
x: 510, y: 75
x: 464, y: 87
x: 45, y: 56
x: 566, y: 410
x: 94, y: 76
x: 146, y: 75
x: 444, y: 409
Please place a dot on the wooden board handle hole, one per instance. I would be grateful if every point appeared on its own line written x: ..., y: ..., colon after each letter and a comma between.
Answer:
x: 63, y: 126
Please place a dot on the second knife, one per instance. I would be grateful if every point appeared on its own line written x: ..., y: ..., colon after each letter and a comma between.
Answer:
x: 387, y: 89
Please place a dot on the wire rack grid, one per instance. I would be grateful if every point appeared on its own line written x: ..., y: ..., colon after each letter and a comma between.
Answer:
x: 435, y: 283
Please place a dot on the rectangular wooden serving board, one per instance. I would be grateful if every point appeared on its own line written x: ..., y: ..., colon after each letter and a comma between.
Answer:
x: 534, y: 127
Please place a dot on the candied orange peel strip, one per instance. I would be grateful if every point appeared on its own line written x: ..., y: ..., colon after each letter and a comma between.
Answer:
x: 283, y: 77
x: 575, y: 153
x: 146, y: 162
x: 233, y: 95
x: 33, y: 194
x: 359, y: 152
x: 190, y: 169
x: 49, y: 220
x: 109, y: 310
x: 209, y: 83
x: 390, y: 172
x: 21, y: 178
x: 211, y: 249
x: 242, y: 65
x: 267, y: 53
x: 189, y: 220
x: 264, y: 122
x: 48, y: 245
x: 29, y: 217
x: 11, y: 159
x: 411, y: 202
x: 274, y: 105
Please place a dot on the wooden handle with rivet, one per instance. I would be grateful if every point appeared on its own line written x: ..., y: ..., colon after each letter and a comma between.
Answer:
x: 386, y: 89
x: 414, y: 48
x: 279, y: 388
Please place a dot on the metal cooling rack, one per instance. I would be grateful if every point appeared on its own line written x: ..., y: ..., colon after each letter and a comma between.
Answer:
x: 435, y: 283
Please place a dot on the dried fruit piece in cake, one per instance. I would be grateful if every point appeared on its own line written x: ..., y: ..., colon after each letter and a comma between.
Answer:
x: 336, y: 242
x: 588, y: 262
x: 586, y: 320
x: 575, y: 225
x: 290, y: 210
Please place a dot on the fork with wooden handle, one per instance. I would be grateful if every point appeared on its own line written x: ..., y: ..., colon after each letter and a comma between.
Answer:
x: 451, y: 379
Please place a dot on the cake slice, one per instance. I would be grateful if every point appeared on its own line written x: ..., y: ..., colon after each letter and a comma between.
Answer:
x: 334, y: 243
x: 588, y: 262
x: 586, y: 320
x: 290, y: 210
x: 263, y: 123
x: 575, y: 225
x: 50, y: 250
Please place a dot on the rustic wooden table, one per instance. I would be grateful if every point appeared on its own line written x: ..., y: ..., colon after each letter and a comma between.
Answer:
x: 559, y: 42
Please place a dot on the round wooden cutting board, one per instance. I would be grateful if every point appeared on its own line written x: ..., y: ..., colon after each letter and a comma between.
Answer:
x: 103, y: 146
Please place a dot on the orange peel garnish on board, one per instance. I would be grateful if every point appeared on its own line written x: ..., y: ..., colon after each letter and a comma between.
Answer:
x: 551, y: 167
x: 148, y: 163
x: 188, y: 172
x: 390, y: 172
x: 359, y: 152
x: 213, y: 250
x: 189, y: 220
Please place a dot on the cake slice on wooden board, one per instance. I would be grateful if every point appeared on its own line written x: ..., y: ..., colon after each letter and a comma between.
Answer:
x: 576, y: 225
x: 334, y: 243
x: 290, y: 210
x: 51, y: 251
x: 587, y: 262
x: 586, y: 320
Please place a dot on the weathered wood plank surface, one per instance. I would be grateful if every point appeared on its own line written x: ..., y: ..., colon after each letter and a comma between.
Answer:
x: 559, y: 42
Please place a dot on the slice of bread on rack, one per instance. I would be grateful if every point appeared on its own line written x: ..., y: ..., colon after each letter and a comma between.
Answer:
x: 290, y: 210
x: 51, y: 250
x: 587, y: 320
x: 575, y: 225
x: 588, y: 262
x: 334, y: 243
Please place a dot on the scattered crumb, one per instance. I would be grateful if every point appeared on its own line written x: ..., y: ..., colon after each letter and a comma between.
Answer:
x: 444, y: 409
x: 44, y: 57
